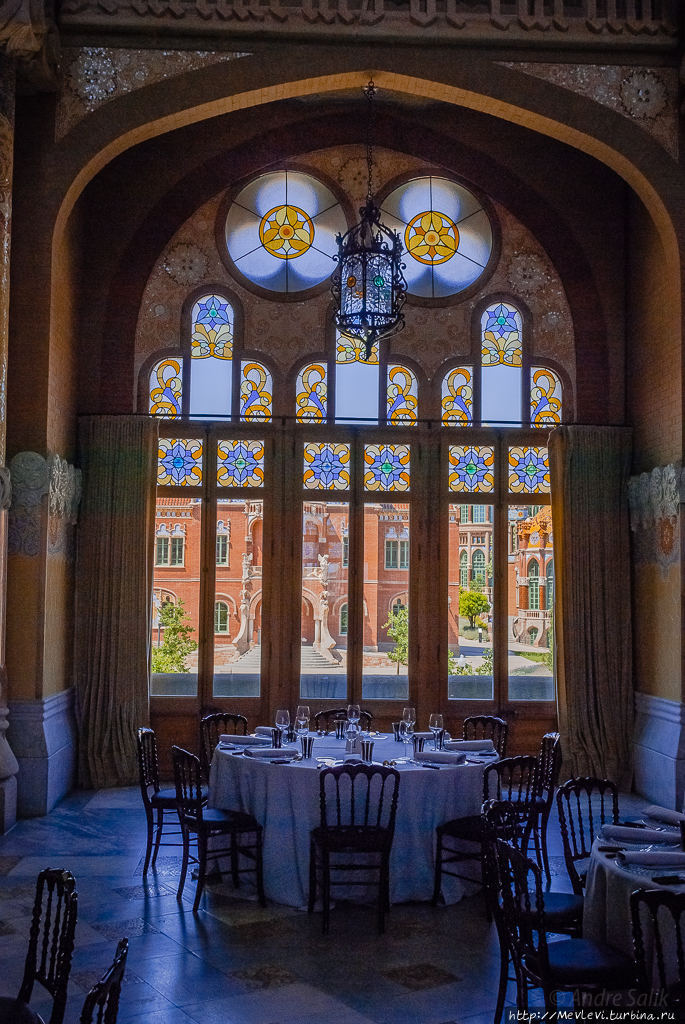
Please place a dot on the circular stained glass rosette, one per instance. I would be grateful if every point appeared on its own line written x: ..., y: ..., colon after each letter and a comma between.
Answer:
x: 280, y: 231
x: 446, y: 234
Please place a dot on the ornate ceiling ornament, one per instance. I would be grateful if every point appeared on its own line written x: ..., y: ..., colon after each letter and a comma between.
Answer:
x: 186, y: 264
x: 643, y: 94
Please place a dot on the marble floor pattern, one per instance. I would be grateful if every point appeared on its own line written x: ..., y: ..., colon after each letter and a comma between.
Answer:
x: 233, y: 962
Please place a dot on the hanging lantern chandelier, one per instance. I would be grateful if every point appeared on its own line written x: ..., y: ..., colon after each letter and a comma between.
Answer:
x: 368, y: 284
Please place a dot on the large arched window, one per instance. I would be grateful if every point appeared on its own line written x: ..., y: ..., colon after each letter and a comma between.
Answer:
x: 478, y: 563
x: 221, y: 617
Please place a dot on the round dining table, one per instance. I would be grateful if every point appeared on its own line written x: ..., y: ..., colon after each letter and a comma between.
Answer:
x: 285, y: 799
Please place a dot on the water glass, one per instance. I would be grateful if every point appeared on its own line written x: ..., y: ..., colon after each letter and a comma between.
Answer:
x: 406, y: 735
x: 340, y: 726
x: 367, y: 751
x: 418, y: 743
x: 435, y: 724
x: 396, y: 731
x: 307, y: 745
x: 282, y: 722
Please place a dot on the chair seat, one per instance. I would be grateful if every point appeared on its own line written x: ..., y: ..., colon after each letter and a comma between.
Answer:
x: 214, y: 819
x: 562, y: 910
x: 352, y: 839
x: 164, y: 798
x: 581, y: 962
x: 469, y: 828
x: 16, y: 1011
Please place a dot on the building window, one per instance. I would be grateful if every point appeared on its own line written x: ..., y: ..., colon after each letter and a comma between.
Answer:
x: 343, y: 620
x: 221, y: 549
x: 463, y: 570
x: 221, y: 617
x: 533, y: 585
x: 345, y: 550
x: 464, y: 513
x: 176, y: 551
x: 478, y: 563
x: 162, y: 551
x: 404, y: 554
x: 479, y: 514
x: 391, y: 554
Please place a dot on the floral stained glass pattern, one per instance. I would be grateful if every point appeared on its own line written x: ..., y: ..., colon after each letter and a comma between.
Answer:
x: 327, y: 466
x: 402, y: 395
x: 256, y: 393
x: 179, y: 462
x: 386, y: 467
x: 212, y: 332
x: 352, y: 350
x: 166, y: 389
x: 457, y: 397
x: 528, y: 470
x: 501, y: 328
x: 312, y: 394
x: 471, y: 468
x: 545, y: 397
x: 240, y: 464
x: 286, y: 232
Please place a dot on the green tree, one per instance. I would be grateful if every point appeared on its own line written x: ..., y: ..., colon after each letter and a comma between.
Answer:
x: 471, y: 603
x: 177, y: 644
x: 398, y: 630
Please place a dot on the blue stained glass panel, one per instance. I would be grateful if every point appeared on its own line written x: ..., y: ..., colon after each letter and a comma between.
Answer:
x: 179, y: 462
x: 386, y: 467
x: 528, y: 470
x: 326, y: 466
x: 471, y: 468
x: 240, y: 463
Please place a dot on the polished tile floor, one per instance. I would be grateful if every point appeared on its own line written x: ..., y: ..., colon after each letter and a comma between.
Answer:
x: 234, y: 963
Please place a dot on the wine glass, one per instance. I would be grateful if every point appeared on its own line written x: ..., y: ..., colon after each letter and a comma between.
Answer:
x: 409, y: 715
x: 302, y: 720
x: 406, y: 735
x: 282, y: 722
x: 435, y: 724
x: 353, y: 713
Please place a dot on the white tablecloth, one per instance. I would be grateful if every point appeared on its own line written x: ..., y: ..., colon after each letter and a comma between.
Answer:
x: 285, y: 799
x: 606, y: 914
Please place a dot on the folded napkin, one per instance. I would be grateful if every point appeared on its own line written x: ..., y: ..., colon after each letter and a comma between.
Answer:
x: 480, y: 745
x: 244, y: 741
x: 440, y: 757
x: 637, y: 835
x: 272, y: 752
x: 664, y: 814
x: 656, y: 858
x: 263, y: 730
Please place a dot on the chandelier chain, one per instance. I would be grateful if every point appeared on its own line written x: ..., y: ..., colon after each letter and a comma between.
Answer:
x: 370, y: 91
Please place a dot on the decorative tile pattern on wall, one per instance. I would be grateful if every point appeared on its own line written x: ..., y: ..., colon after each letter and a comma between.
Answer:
x: 654, y: 502
x: 647, y: 96
x: 32, y: 477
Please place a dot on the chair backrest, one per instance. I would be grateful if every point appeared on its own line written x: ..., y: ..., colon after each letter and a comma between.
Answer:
x: 523, y: 906
x: 323, y: 719
x: 215, y: 725
x: 550, y: 766
x: 500, y: 821
x: 487, y: 727
x: 512, y: 779
x: 188, y: 780
x: 104, y: 995
x: 148, y: 765
x: 51, y: 939
x: 584, y: 805
x: 664, y: 910
x: 360, y: 796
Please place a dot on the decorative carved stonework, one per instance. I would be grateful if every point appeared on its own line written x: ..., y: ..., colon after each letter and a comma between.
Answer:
x: 654, y: 502
x: 93, y: 75
x: 647, y: 96
x: 32, y: 478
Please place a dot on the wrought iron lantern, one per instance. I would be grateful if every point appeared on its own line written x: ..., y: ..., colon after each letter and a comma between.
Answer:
x: 368, y: 284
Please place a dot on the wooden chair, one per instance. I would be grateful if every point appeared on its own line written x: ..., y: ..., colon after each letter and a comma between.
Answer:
x: 584, y: 805
x: 563, y: 912
x: 215, y: 725
x: 322, y: 719
x: 487, y: 727
x: 358, y: 808
x: 51, y: 946
x: 664, y: 911
x: 206, y: 823
x: 575, y: 965
x: 514, y: 781
x: 548, y: 776
x: 104, y: 995
x: 156, y: 801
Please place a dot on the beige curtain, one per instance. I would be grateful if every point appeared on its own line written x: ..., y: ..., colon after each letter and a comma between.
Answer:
x: 589, y: 469
x: 113, y: 594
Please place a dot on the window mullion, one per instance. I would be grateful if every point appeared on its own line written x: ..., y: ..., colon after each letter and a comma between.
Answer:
x: 205, y: 665
x: 355, y: 578
x: 500, y: 572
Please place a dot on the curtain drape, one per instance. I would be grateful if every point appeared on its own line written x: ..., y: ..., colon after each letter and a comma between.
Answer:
x: 589, y: 469
x: 113, y: 594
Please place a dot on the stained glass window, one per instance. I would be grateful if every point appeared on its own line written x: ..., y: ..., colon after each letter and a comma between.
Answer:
x: 280, y: 231
x: 501, y: 357
x: 471, y: 468
x: 211, y: 350
x: 545, y: 397
x: 327, y: 466
x: 386, y: 467
x: 528, y: 470
x: 256, y: 392
x: 356, y: 382
x: 166, y: 389
x: 179, y: 462
x: 402, y: 395
x: 240, y: 463
x: 457, y: 397
x: 312, y: 393
x: 446, y: 234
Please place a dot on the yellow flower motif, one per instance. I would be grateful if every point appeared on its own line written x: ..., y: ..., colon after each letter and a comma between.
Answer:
x: 286, y: 232
x: 431, y: 237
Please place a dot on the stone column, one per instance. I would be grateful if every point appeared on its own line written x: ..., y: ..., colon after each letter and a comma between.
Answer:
x: 8, y: 762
